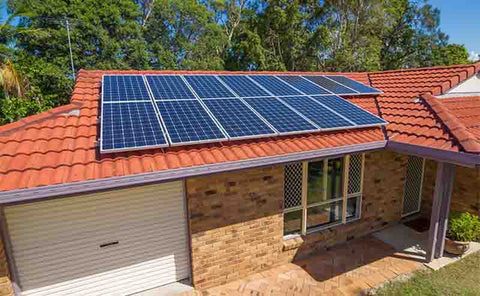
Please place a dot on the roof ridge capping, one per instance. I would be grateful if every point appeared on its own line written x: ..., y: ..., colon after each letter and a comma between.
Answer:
x: 467, y: 140
x: 476, y: 67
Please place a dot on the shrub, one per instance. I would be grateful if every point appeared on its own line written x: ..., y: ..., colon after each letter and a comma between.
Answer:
x: 463, y: 227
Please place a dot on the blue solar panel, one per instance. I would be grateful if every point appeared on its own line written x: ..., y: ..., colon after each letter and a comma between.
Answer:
x: 280, y: 116
x: 330, y: 85
x: 243, y: 86
x: 361, y: 88
x: 127, y: 126
x: 317, y: 113
x: 303, y: 85
x: 169, y: 87
x: 187, y: 121
x: 208, y: 86
x: 349, y: 110
x: 124, y: 88
x: 237, y: 119
x: 274, y: 85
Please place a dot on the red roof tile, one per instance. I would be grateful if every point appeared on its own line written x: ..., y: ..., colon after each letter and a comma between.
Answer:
x: 60, y: 147
x: 412, y: 120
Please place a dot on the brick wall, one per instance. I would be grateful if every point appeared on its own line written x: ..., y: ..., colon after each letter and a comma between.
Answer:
x: 465, y: 193
x: 235, y: 224
x: 384, y: 179
x: 236, y: 219
x: 5, y: 284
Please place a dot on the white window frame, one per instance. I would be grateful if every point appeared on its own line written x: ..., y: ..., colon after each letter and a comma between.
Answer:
x: 344, y: 198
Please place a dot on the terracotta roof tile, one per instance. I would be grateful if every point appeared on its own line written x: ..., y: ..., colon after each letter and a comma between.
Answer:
x: 411, y: 120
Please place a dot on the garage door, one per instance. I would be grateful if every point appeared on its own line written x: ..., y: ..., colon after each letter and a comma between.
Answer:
x: 114, y: 243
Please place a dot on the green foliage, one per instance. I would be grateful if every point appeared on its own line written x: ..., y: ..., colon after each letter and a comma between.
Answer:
x: 12, y: 109
x: 277, y: 35
x: 460, y: 278
x: 463, y: 227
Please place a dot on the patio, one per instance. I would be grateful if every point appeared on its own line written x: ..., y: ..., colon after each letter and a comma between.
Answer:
x: 347, y: 269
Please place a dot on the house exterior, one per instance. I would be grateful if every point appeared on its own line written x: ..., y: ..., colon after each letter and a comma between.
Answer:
x: 75, y: 221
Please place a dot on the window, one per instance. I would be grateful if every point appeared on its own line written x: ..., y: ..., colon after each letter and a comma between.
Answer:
x: 317, y: 192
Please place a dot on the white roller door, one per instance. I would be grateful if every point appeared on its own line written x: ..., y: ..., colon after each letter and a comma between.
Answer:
x: 113, y: 243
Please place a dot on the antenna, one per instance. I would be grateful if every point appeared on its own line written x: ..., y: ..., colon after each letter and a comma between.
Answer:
x: 70, y: 48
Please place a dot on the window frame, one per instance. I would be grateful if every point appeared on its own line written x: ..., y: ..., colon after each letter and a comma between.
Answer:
x: 358, y: 196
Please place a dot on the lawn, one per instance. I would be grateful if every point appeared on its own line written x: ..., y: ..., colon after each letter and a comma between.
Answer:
x: 459, y: 278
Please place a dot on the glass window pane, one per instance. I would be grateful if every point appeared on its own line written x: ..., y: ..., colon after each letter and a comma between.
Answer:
x: 353, y: 207
x: 324, y: 214
x: 315, y: 190
x: 335, y: 176
x: 292, y: 222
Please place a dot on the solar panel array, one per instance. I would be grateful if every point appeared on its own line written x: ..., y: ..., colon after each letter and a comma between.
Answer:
x: 154, y: 111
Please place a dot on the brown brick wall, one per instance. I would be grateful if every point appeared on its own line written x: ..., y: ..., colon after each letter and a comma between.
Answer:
x: 5, y: 284
x: 384, y: 179
x: 465, y: 193
x: 235, y: 224
x: 236, y: 219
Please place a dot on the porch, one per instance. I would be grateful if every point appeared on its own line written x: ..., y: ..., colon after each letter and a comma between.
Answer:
x: 347, y: 269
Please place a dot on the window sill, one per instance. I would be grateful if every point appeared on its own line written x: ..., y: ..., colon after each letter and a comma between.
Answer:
x: 292, y: 241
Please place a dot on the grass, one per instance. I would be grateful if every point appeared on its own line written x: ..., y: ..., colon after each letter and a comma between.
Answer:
x: 459, y: 278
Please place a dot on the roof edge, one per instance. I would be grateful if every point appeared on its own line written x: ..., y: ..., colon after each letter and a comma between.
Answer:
x: 459, y: 158
x: 52, y: 191
x: 466, y: 139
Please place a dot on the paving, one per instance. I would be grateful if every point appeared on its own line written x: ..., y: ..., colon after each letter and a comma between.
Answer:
x: 347, y: 269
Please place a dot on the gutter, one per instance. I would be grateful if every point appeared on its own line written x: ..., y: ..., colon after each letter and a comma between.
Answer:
x: 53, y: 191
x: 460, y: 158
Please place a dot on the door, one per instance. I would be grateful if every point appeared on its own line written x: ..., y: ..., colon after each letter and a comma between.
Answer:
x: 412, y: 195
x: 112, y: 243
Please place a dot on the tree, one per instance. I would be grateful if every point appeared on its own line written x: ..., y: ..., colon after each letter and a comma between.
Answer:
x: 450, y: 54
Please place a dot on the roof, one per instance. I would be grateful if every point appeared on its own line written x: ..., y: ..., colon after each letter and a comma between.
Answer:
x: 412, y: 121
x: 60, y: 146
x: 461, y: 117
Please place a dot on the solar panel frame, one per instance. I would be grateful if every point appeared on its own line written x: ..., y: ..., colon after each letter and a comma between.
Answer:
x: 116, y: 98
x: 231, y: 136
x: 224, y: 77
x: 314, y: 128
x: 203, y: 88
x: 313, y: 102
x: 307, y: 82
x: 353, y: 93
x: 150, y: 86
x: 374, y: 92
x: 164, y: 134
x: 346, y: 102
x: 207, y: 112
x: 280, y: 82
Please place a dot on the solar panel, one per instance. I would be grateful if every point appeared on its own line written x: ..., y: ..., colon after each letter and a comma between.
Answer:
x: 349, y: 110
x: 169, y: 87
x: 320, y: 115
x: 237, y: 119
x: 243, y: 86
x: 208, y: 86
x: 303, y: 85
x: 127, y: 126
x: 361, y: 88
x: 187, y: 122
x: 282, y: 118
x: 124, y: 88
x: 330, y: 85
x: 274, y: 85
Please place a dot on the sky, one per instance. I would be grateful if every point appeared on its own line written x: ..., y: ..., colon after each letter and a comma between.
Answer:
x: 460, y: 19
